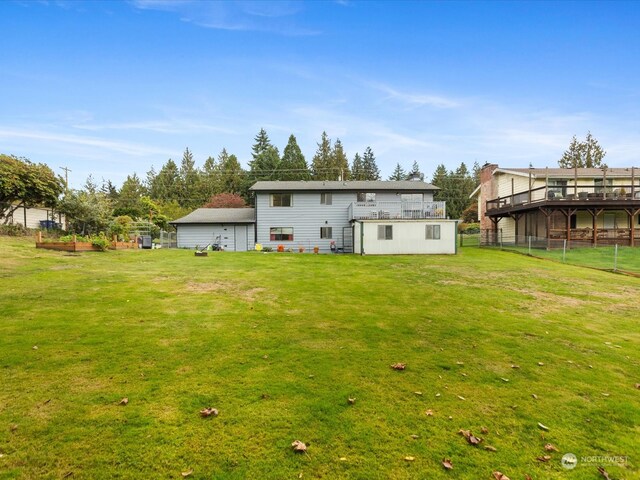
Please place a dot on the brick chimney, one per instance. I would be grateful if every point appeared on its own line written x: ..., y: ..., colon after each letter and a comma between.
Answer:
x: 488, y: 191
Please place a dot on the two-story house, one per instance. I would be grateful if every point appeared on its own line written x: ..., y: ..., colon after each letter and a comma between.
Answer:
x: 554, y: 206
x: 364, y: 217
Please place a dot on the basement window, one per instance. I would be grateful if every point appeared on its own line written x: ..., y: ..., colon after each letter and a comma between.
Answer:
x: 432, y: 232
x: 385, y: 232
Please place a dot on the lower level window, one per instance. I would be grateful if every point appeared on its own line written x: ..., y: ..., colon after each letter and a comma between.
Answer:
x: 385, y: 232
x: 281, y: 234
x: 326, y: 232
x: 432, y: 232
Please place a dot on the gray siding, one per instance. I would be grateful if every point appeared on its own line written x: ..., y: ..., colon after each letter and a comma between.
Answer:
x: 190, y: 236
x: 307, y: 215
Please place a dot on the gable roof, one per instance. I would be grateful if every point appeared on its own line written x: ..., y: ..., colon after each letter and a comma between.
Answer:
x: 218, y: 215
x: 352, y: 186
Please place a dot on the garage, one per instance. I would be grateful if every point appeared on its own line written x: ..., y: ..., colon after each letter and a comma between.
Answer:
x: 231, y: 228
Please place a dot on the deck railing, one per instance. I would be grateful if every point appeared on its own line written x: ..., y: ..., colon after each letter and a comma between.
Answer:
x: 396, y: 210
x: 568, y: 193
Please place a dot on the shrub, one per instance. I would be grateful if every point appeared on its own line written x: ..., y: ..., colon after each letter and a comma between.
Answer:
x: 13, y: 230
x: 101, y: 241
x: 469, y: 228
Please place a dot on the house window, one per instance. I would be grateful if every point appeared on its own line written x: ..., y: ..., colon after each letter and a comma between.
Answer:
x: 600, y: 186
x: 385, y: 232
x: 281, y: 200
x: 281, y: 234
x: 325, y: 199
x: 326, y: 232
x: 558, y: 188
x: 368, y: 197
x: 411, y: 197
x: 432, y: 232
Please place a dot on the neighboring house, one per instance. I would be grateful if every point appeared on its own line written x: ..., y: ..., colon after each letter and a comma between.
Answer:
x: 30, y: 217
x: 231, y: 228
x: 553, y: 205
x: 365, y: 217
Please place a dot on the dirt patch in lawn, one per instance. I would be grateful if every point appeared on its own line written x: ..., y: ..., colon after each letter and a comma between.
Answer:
x: 244, y: 292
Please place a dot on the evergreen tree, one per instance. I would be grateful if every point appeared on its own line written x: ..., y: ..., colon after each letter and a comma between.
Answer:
x: 190, y: 195
x: 587, y: 154
x: 357, y: 168
x: 166, y: 184
x: 321, y: 166
x: 262, y: 143
x: 129, y: 198
x: 339, y: 162
x: 210, y: 179
x: 371, y: 170
x: 293, y: 165
x: 398, y: 173
x: 266, y: 158
x: 415, y: 170
x: 476, y: 173
x: 441, y: 180
x: 109, y: 190
x: 232, y: 177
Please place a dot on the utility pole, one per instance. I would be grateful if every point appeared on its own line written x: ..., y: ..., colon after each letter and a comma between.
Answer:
x: 66, y: 178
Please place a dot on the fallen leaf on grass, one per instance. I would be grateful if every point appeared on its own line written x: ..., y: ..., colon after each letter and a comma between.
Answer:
x: 535, y: 397
x: 543, y: 458
x: 208, y: 412
x: 471, y: 438
x: 484, y: 430
x: 429, y: 413
x: 343, y: 459
x: 459, y: 363
x: 418, y: 393
x: 399, y: 366
x: 543, y: 427
x: 409, y: 459
x: 414, y: 436
x: 504, y: 379
x: 187, y: 473
x: 298, y: 446
x: 637, y: 385
x: 351, y: 400
x: 606, y: 394
x: 461, y: 398
x: 35, y: 347
x: 527, y: 477
x: 437, y: 395
x: 67, y: 475
x: 13, y: 427
x: 447, y: 464
x: 500, y: 476
x: 515, y: 366
x: 550, y: 448
x: 604, y: 473
x: 541, y: 364
x: 124, y: 401
x: 490, y: 448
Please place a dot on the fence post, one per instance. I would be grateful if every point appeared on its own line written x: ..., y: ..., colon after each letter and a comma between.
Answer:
x: 500, y: 238
x: 615, y: 259
x: 564, y: 250
x: 529, y: 244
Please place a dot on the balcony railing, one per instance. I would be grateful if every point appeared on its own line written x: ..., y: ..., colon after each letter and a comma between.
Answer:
x: 396, y: 210
x: 568, y: 193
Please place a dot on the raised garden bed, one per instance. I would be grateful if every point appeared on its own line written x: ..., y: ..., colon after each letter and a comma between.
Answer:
x: 83, y: 246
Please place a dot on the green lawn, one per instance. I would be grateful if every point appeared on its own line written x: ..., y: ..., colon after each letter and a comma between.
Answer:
x: 279, y: 342
x: 628, y: 258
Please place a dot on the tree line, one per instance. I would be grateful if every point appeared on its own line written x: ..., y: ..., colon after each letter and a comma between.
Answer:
x: 179, y: 187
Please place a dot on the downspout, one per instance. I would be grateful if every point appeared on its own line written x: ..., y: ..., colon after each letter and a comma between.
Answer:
x: 255, y: 223
x: 456, y: 237
x: 361, y: 238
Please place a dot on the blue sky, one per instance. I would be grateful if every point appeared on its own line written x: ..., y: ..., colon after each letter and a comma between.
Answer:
x: 112, y: 88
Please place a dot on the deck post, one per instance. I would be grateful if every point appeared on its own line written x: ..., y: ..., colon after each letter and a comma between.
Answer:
x: 530, y: 184
x: 546, y: 183
x: 604, y: 182
x: 575, y: 180
x: 633, y: 183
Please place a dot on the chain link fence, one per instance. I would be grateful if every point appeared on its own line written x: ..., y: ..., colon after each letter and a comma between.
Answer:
x: 612, y: 257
